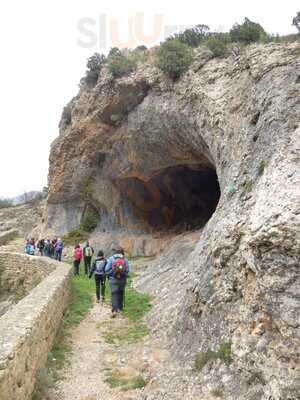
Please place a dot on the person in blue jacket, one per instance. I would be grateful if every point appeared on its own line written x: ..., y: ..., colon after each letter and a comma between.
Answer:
x: 117, y: 270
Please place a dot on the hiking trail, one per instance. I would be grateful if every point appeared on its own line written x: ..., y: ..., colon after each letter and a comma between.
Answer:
x: 94, y: 360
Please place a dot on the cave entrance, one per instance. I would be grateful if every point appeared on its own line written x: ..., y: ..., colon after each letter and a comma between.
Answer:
x: 178, y: 198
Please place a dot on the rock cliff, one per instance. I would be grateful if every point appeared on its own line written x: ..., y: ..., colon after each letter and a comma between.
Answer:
x: 215, y: 153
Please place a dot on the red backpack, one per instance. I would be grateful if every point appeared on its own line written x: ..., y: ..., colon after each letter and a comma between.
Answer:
x: 78, y: 254
x: 119, y: 266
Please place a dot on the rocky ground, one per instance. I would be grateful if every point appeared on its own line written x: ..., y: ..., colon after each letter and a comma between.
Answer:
x: 25, y: 218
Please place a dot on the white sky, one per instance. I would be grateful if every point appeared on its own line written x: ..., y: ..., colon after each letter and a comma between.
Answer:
x: 42, y: 63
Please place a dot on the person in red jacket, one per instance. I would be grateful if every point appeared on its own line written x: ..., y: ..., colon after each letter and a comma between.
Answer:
x: 77, y: 258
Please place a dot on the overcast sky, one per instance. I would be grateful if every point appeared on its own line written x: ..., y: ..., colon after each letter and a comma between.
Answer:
x: 44, y: 47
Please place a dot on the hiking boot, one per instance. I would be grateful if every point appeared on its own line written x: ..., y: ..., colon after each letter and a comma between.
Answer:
x: 114, y: 314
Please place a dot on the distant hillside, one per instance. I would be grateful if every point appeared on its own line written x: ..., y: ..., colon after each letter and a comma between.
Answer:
x: 24, y: 198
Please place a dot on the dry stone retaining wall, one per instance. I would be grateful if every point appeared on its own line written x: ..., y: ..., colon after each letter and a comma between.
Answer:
x: 7, y: 236
x: 20, y: 273
x: 27, y: 332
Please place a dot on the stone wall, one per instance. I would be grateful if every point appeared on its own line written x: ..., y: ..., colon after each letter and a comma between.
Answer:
x: 28, y: 330
x: 20, y: 273
x: 7, y: 236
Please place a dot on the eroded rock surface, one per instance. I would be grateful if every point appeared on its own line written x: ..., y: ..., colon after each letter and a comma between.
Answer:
x: 25, y: 218
x: 128, y: 154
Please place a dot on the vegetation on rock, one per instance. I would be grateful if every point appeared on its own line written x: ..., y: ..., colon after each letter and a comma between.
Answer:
x: 223, y: 354
x: 94, y: 66
x: 193, y: 37
x: 121, y: 63
x: 174, y: 57
x: 117, y: 379
x: 218, y: 44
x: 248, y: 32
x: 81, y: 233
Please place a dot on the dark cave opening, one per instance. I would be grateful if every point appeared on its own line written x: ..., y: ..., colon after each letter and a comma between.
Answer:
x: 178, y: 198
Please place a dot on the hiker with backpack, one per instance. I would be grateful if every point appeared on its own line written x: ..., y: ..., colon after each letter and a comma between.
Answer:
x: 41, y: 246
x: 77, y: 259
x: 58, y: 249
x: 88, y: 252
x: 29, y: 248
x: 117, y: 269
x: 98, y: 269
x: 51, y: 249
x: 47, y: 248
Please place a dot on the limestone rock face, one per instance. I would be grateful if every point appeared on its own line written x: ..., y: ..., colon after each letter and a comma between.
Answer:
x: 133, y: 151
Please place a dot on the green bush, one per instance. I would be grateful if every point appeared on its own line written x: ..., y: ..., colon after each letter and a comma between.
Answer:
x: 217, y: 44
x: 247, y: 32
x: 121, y: 63
x: 193, y: 37
x: 90, y: 223
x: 81, y: 233
x: 94, y: 66
x: 75, y: 236
x: 174, y: 58
x: 67, y: 114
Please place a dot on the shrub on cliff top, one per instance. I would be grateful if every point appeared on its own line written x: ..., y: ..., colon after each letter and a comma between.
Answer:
x: 120, y: 62
x: 94, y: 66
x: 247, y: 32
x: 193, y: 37
x: 174, y: 58
x: 217, y: 44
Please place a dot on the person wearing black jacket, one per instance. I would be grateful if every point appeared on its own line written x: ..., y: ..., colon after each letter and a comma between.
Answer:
x: 98, y: 269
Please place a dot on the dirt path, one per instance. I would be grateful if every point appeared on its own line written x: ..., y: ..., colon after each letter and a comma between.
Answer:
x: 93, y: 360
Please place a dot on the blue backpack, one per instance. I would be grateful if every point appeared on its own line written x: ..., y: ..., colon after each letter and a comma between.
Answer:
x: 100, y: 266
x: 29, y: 249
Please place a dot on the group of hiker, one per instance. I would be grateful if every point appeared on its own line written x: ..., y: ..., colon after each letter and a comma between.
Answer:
x: 115, y: 269
x: 45, y: 247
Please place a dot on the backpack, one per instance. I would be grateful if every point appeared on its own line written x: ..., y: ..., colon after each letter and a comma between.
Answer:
x: 88, y: 252
x: 59, y: 245
x: 30, y: 249
x: 119, y: 266
x: 78, y: 254
x: 100, y: 266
